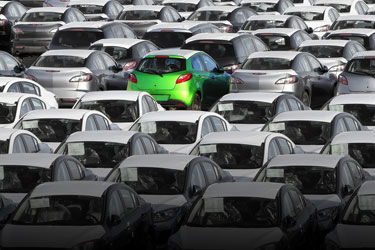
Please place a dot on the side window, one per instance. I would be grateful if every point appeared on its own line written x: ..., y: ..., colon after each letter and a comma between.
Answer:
x: 297, y: 38
x: 90, y: 123
x: 285, y: 146
x: 74, y: 170
x: 331, y: 16
x: 210, y: 64
x: 115, y: 206
x: 196, y: 63
x: 138, y: 147
x: 37, y: 104
x: 175, y: 15
x: 141, y: 50
x: 9, y: 62
x: 151, y: 103
x: 166, y: 16
x: 145, y: 107
x: 210, y: 172
x: 304, y: 63
x: 197, y: 177
x: 29, y: 88
x: 287, y: 206
x: 95, y: 62
x: 351, y: 124
x: 18, y: 146
x: 297, y: 200
x: 340, y: 126
x: 127, y: 199
x: 101, y: 122
x: 282, y: 106
x: 346, y: 177
x: 259, y: 45
x: 293, y: 24
x: 315, y: 64
x: 31, y: 143
x: 301, y: 23
x: 149, y: 145
x: 26, y: 107
x: 218, y: 124
x: 273, y: 149
x: 15, y: 87
x: 355, y: 171
x: 294, y: 105
x: 109, y: 62
x: 207, y: 127
x: 62, y: 173
x: 250, y: 47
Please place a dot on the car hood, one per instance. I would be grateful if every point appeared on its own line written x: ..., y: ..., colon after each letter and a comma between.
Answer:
x: 48, y: 236
x: 226, y: 238
x: 15, y: 197
x: 162, y: 202
x: 248, y: 127
x: 311, y: 148
x: 353, y: 236
x: 324, y: 201
x: 178, y: 148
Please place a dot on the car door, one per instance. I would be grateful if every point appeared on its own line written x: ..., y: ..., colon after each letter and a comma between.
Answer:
x: 98, y: 68
x: 114, y: 75
x: 200, y: 73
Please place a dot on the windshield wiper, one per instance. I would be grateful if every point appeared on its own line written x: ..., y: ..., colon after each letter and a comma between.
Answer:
x: 152, y: 71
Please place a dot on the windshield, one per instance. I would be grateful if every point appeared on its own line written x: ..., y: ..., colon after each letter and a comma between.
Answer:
x: 42, y: 17
x: 324, y: 51
x: 60, y: 62
x: 234, y: 212
x: 353, y: 24
x: 209, y: 16
x: 161, y: 65
x: 89, y: 8
x: 96, y: 154
x: 60, y: 210
x: 263, y: 24
x: 244, y: 112
x: 234, y: 156
x: 363, y: 153
x: 342, y: 8
x: 308, y: 16
x: 361, y: 39
x: 166, y: 39
x: 4, y: 147
x: 151, y: 181
x: 262, y: 7
x: 267, y: 63
x: 169, y: 132
x: 115, y: 110
x: 303, y: 132
x: 361, y: 66
x: 183, y: 7
x: 308, y: 179
x: 139, y: 15
x: 275, y: 42
x: 361, y: 211
x: 365, y: 113
x: 7, y: 112
x: 77, y: 38
x: 22, y: 179
x: 51, y: 130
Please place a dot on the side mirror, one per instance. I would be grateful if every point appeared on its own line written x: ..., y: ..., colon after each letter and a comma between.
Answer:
x: 309, y: 30
x: 116, y: 68
x: 44, y: 148
x: 219, y: 70
x: 347, y: 190
x: 181, y: 19
x: 289, y: 221
x: 195, y: 191
x: 19, y: 68
x: 114, y: 220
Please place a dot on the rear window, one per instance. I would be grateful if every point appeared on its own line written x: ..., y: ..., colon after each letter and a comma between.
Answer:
x: 267, y: 64
x: 342, y: 8
x: 77, y: 38
x: 275, y: 42
x: 42, y: 17
x: 89, y: 8
x: 165, y: 39
x: 353, y: 24
x: 308, y: 16
x: 209, y: 16
x: 161, y: 65
x: 361, y: 39
x: 263, y: 24
x: 324, y: 51
x: 262, y: 7
x: 139, y: 15
x: 183, y: 7
x: 60, y: 62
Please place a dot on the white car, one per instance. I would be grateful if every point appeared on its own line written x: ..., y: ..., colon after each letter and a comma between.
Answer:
x: 97, y: 10
x: 179, y: 131
x: 186, y: 7
x: 121, y: 107
x: 361, y: 106
x: 303, y: 2
x: 275, y: 7
x: 22, y: 85
x: 352, y: 22
x: 345, y: 7
x: 319, y: 18
x: 241, y: 153
x: 54, y: 126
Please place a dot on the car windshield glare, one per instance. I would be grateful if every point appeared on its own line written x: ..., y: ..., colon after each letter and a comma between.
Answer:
x: 209, y: 16
x: 115, y: 110
x: 235, y: 212
x: 42, y: 17
x: 303, y: 132
x: 65, y: 210
x: 7, y: 112
x: 308, y: 16
x: 361, y: 67
x: 275, y: 42
x: 161, y: 65
x: 363, y: 153
x: 308, y: 179
x: 139, y: 15
x: 151, y: 181
x: 89, y: 8
x: 353, y: 24
x: 96, y: 154
x: 263, y: 24
x: 324, y: 51
x: 22, y: 179
x: 267, y: 63
x: 234, y: 156
x: 60, y: 62
x: 261, y: 6
x: 361, y: 211
x: 51, y: 130
x: 169, y: 132
x: 183, y: 7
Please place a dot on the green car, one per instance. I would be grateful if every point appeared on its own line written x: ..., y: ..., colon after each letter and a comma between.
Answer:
x: 180, y: 79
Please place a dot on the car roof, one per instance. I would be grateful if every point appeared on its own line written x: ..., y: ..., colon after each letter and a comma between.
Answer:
x: 82, y: 188
x: 116, y: 136
x: 119, y: 42
x: 13, y: 97
x: 180, y: 26
x: 213, y: 36
x: 364, y: 54
x: 357, y: 17
x: 4, y: 80
x: 73, y: 114
x: 143, y: 7
x: 359, y: 31
x: 309, y: 8
x: 267, y: 190
x: 83, y: 53
x: 111, y: 95
x: 186, y: 53
x: 327, y: 42
x: 354, y: 137
x: 236, y: 137
x: 290, y: 55
x: 353, y: 99
x: 91, y: 2
x: 218, y: 8
x: 316, y: 160
x: 284, y: 31
x: 270, y: 17
x: 268, y: 97
x: 173, y: 115
x: 167, y: 161
x: 306, y: 115
x: 89, y: 25
x: 41, y: 160
x: 367, y: 188
x: 49, y: 9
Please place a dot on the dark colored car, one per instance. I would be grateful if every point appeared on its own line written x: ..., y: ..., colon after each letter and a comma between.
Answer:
x: 81, y: 35
x: 248, y: 215
x: 79, y: 215
x: 229, y: 50
x: 10, y: 11
x: 34, y: 31
x: 10, y: 66
x: 97, y: 10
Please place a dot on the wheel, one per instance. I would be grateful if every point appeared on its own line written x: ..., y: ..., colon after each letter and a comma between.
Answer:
x: 306, y: 99
x: 196, y: 103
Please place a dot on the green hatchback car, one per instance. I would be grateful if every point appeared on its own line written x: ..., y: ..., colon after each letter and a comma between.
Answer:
x: 180, y: 79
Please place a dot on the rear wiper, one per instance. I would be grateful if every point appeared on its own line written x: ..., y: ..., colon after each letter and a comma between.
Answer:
x: 152, y: 71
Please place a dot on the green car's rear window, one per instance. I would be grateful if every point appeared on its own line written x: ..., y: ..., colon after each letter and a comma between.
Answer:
x: 161, y: 65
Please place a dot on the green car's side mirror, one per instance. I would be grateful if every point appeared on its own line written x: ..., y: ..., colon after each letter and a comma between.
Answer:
x: 219, y: 70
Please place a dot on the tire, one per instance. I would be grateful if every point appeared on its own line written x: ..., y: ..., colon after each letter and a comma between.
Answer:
x: 196, y: 103
x: 306, y: 99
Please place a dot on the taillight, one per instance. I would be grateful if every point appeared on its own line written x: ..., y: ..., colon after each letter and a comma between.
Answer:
x: 17, y: 31
x: 343, y: 80
x: 30, y: 77
x: 231, y: 69
x: 132, y: 78
x: 225, y: 29
x: 130, y: 65
x: 287, y: 80
x: 2, y: 22
x: 322, y: 28
x: 81, y: 78
x: 184, y: 78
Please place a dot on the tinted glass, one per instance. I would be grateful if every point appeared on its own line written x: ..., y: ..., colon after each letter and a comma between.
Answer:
x: 60, y: 62
x: 352, y: 24
x: 165, y: 39
x: 77, y: 38
x: 262, y: 6
x: 324, y: 51
x: 263, y: 24
x: 361, y: 211
x: 275, y: 42
x: 209, y: 16
x: 183, y: 7
x: 89, y: 8
x: 42, y: 17
x: 267, y: 63
x: 161, y: 65
x: 139, y: 15
x: 7, y: 113
x: 361, y: 67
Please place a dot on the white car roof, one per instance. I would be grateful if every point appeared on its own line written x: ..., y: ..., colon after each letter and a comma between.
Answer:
x: 356, y: 17
x: 284, y: 31
x: 9, y: 80
x: 306, y: 115
x: 119, y: 42
x: 318, y: 160
x: 71, y: 114
x: 174, y: 115
x: 213, y: 36
x: 367, y: 188
x: 269, y: 17
x: 115, y: 136
x: 363, y: 54
x: 181, y: 26
x: 353, y: 99
x: 111, y: 95
x: 290, y: 55
x: 218, y: 8
x: 267, y: 190
x: 91, y: 2
x: 319, y: 9
x: 41, y: 160
x: 12, y: 97
x: 182, y: 1
x: 69, y: 52
x: 360, y: 31
x: 173, y: 52
x: 92, y: 25
x: 268, y: 97
x: 236, y: 137
x: 82, y: 188
x: 142, y: 7
x: 49, y: 9
x: 354, y: 137
x: 327, y: 42
x: 167, y: 161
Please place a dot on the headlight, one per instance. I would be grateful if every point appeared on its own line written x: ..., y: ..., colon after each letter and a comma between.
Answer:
x: 271, y: 246
x: 85, y: 246
x: 339, y: 67
x: 165, y: 215
x: 327, y: 213
x: 234, y: 80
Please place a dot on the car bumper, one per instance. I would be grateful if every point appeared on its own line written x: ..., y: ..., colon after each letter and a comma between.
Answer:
x: 30, y: 46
